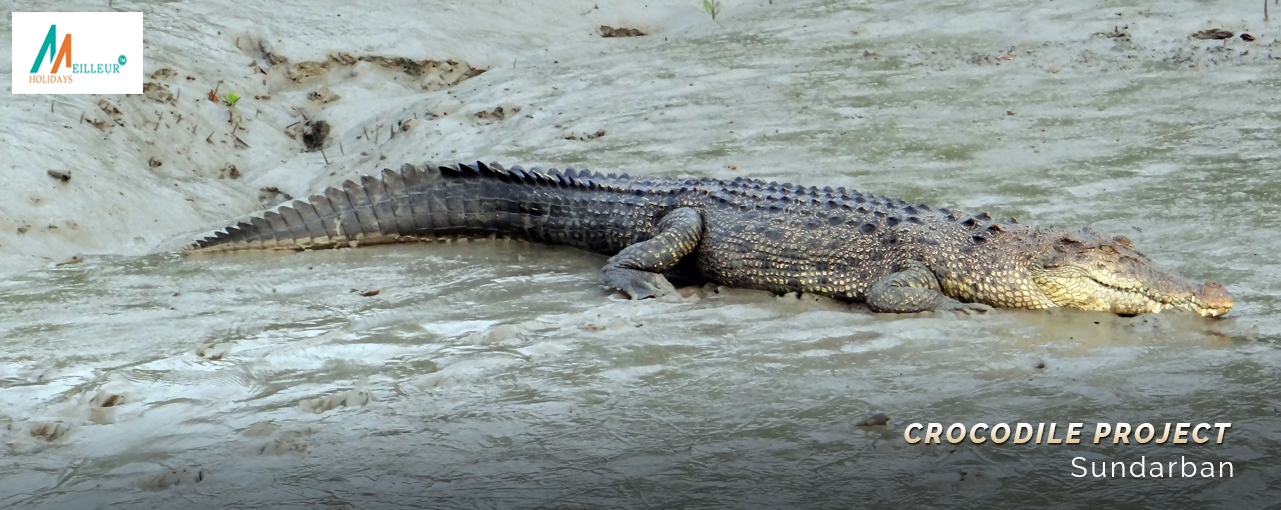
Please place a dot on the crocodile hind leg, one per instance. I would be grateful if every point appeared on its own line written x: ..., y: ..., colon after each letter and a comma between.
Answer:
x: 638, y: 269
x: 915, y: 289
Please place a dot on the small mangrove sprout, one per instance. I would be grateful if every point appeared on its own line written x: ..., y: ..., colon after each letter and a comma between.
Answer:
x: 713, y: 7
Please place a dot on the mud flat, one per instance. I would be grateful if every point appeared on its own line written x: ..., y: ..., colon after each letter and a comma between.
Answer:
x: 502, y: 374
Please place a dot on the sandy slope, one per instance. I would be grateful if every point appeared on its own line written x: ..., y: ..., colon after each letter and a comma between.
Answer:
x: 763, y: 88
x: 159, y: 164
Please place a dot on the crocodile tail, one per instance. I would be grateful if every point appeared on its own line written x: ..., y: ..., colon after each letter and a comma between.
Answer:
x: 425, y: 203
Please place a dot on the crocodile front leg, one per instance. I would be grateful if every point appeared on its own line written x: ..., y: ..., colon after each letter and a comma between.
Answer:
x: 638, y: 269
x: 915, y: 289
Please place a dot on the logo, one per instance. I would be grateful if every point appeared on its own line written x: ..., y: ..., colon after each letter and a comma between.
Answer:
x: 107, y: 60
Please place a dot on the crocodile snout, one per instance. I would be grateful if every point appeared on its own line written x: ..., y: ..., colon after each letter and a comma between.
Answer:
x: 1213, y: 299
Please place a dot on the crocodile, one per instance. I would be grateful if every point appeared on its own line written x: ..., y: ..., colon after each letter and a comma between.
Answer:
x: 893, y: 255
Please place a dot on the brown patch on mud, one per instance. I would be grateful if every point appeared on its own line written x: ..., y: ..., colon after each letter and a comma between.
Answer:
x: 585, y: 137
x: 324, y: 95
x: 65, y: 177
x: 272, y: 195
x: 158, y: 92
x: 1214, y: 33
x: 229, y: 171
x: 107, y: 107
x: 306, y: 70
x: 432, y: 74
x: 1114, y: 34
x: 313, y: 137
x: 102, y: 125
x: 163, y: 74
x: 608, y: 31
x: 498, y: 113
x: 248, y: 43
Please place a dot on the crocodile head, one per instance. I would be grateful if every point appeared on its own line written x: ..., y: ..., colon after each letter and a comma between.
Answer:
x: 1090, y: 271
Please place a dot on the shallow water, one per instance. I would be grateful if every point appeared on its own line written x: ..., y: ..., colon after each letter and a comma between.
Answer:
x: 499, y: 374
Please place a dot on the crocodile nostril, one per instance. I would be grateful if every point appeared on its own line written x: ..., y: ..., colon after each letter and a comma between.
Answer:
x: 1213, y: 295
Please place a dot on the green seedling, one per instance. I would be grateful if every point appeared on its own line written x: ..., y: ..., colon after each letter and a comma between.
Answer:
x: 712, y: 7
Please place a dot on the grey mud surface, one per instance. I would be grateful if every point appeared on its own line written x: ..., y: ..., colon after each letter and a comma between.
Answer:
x: 494, y: 374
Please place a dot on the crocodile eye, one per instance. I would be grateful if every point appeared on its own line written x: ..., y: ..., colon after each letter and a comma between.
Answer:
x: 1107, y: 249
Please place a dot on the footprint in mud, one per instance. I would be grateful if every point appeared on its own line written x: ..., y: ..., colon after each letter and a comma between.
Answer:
x: 105, y: 399
x: 462, y: 373
x: 436, y: 380
x: 39, y: 376
x: 173, y: 477
x: 50, y: 431
x: 504, y: 334
x: 693, y: 293
x: 262, y: 428
x: 542, y: 352
x: 285, y: 443
x: 352, y: 398
x: 102, y: 408
x: 597, y: 322
x: 288, y: 442
x: 214, y: 351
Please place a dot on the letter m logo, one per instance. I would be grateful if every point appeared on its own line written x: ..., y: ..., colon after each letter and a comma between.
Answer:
x: 50, y: 48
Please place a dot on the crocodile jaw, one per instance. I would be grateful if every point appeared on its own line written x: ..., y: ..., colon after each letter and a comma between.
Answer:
x: 1075, y: 287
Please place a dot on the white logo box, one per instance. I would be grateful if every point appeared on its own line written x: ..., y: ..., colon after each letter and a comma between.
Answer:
x: 105, y: 53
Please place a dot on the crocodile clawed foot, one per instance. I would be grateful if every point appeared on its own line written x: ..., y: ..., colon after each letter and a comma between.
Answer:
x: 638, y: 284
